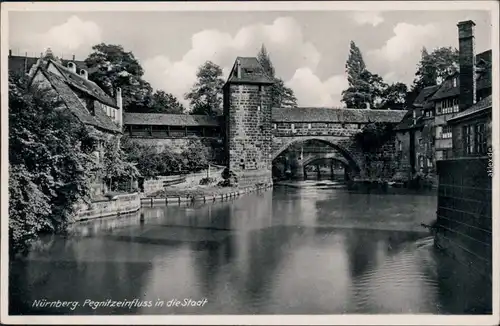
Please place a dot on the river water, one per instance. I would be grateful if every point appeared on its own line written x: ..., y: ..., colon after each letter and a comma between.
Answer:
x: 285, y: 251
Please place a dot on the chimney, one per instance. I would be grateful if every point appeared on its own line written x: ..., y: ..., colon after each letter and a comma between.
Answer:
x: 84, y: 73
x: 72, y: 67
x: 467, y: 63
x: 238, y: 69
x: 119, y: 103
x: 10, y: 53
x: 73, y: 57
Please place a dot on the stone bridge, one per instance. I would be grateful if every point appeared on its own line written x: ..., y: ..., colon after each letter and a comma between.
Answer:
x: 335, y: 128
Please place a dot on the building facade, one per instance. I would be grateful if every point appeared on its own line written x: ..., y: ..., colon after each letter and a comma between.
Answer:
x: 84, y: 99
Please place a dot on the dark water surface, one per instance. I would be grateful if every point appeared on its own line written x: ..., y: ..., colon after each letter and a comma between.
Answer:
x: 286, y: 251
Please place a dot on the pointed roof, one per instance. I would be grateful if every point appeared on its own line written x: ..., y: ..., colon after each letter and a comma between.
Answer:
x: 250, y: 72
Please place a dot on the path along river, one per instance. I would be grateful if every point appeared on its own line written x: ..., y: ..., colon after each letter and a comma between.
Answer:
x: 285, y: 251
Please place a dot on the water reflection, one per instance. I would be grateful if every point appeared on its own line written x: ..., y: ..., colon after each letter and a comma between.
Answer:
x: 278, y: 252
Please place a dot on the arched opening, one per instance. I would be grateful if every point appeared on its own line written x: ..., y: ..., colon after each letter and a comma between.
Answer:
x: 324, y: 168
x: 289, y: 159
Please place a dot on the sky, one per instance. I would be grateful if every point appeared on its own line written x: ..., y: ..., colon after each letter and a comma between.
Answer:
x: 308, y: 49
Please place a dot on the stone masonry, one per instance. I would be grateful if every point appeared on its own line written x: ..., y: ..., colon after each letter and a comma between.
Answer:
x: 247, y: 106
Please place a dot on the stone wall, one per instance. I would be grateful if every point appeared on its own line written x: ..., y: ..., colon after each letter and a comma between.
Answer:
x: 248, y: 110
x: 464, y: 213
x: 120, y: 204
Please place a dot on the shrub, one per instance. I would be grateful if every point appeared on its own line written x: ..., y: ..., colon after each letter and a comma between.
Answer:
x: 207, y: 181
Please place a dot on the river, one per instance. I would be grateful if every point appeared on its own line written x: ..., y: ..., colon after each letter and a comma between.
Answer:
x: 285, y: 251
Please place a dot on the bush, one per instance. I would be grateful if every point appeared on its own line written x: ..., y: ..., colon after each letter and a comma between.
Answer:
x: 207, y: 181
x: 230, y: 179
x: 50, y: 165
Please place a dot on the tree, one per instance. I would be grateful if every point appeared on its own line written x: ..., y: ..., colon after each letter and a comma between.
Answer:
x: 50, y: 164
x: 115, y: 166
x: 206, y: 94
x: 364, y: 88
x: 163, y: 102
x: 434, y: 67
x: 395, y: 95
x: 281, y: 96
x: 110, y: 67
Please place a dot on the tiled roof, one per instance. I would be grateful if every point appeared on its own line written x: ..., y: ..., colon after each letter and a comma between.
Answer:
x: 85, y: 85
x: 336, y: 115
x: 483, y: 80
x: 99, y: 119
x: 23, y: 64
x: 480, y: 106
x: 251, y: 72
x: 424, y: 95
x: 409, y: 123
x: 446, y: 89
x: 130, y: 118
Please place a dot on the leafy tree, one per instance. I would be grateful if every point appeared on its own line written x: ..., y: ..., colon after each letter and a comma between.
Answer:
x: 163, y: 102
x: 435, y: 66
x: 115, y: 166
x: 110, y: 66
x: 206, y: 94
x: 395, y: 95
x: 365, y: 88
x: 281, y: 96
x: 50, y: 164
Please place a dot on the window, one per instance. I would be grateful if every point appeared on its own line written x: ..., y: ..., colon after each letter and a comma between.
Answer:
x: 400, y: 145
x: 438, y: 107
x: 274, y: 126
x: 308, y: 126
x: 454, y: 82
x: 420, y: 141
x: 468, y: 140
x: 447, y: 132
x: 439, y: 155
x: 293, y: 127
x: 480, y: 139
x: 421, y: 162
x: 450, y: 105
x: 439, y: 132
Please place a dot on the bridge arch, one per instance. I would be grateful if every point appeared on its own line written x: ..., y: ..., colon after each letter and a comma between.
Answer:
x: 337, y: 144
x: 325, y: 157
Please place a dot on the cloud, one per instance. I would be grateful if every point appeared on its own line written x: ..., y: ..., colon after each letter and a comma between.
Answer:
x: 73, y: 36
x: 397, y: 59
x: 373, y: 18
x: 311, y: 91
x: 283, y: 39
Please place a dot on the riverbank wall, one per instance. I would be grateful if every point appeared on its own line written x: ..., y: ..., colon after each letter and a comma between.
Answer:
x: 151, y: 186
x: 116, y: 205
x: 220, y: 195
x: 463, y: 227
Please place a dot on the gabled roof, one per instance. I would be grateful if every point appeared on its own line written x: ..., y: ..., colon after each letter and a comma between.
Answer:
x: 23, y: 64
x: 424, y: 95
x: 409, y: 123
x: 84, y: 85
x: 74, y: 104
x: 251, y: 71
x: 446, y: 88
x: 162, y: 119
x: 481, y: 106
x: 336, y: 115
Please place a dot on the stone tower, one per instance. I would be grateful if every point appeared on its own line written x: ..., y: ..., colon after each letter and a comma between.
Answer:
x: 247, y: 110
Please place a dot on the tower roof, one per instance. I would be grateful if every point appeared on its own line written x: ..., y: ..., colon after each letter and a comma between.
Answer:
x: 248, y: 70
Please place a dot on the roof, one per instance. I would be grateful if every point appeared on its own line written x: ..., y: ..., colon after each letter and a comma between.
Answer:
x: 483, y: 80
x: 302, y: 114
x: 425, y: 95
x: 481, y: 106
x: 446, y: 89
x: 408, y: 122
x: 251, y: 72
x: 84, y: 85
x: 23, y: 64
x: 71, y: 100
x: 164, y: 119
